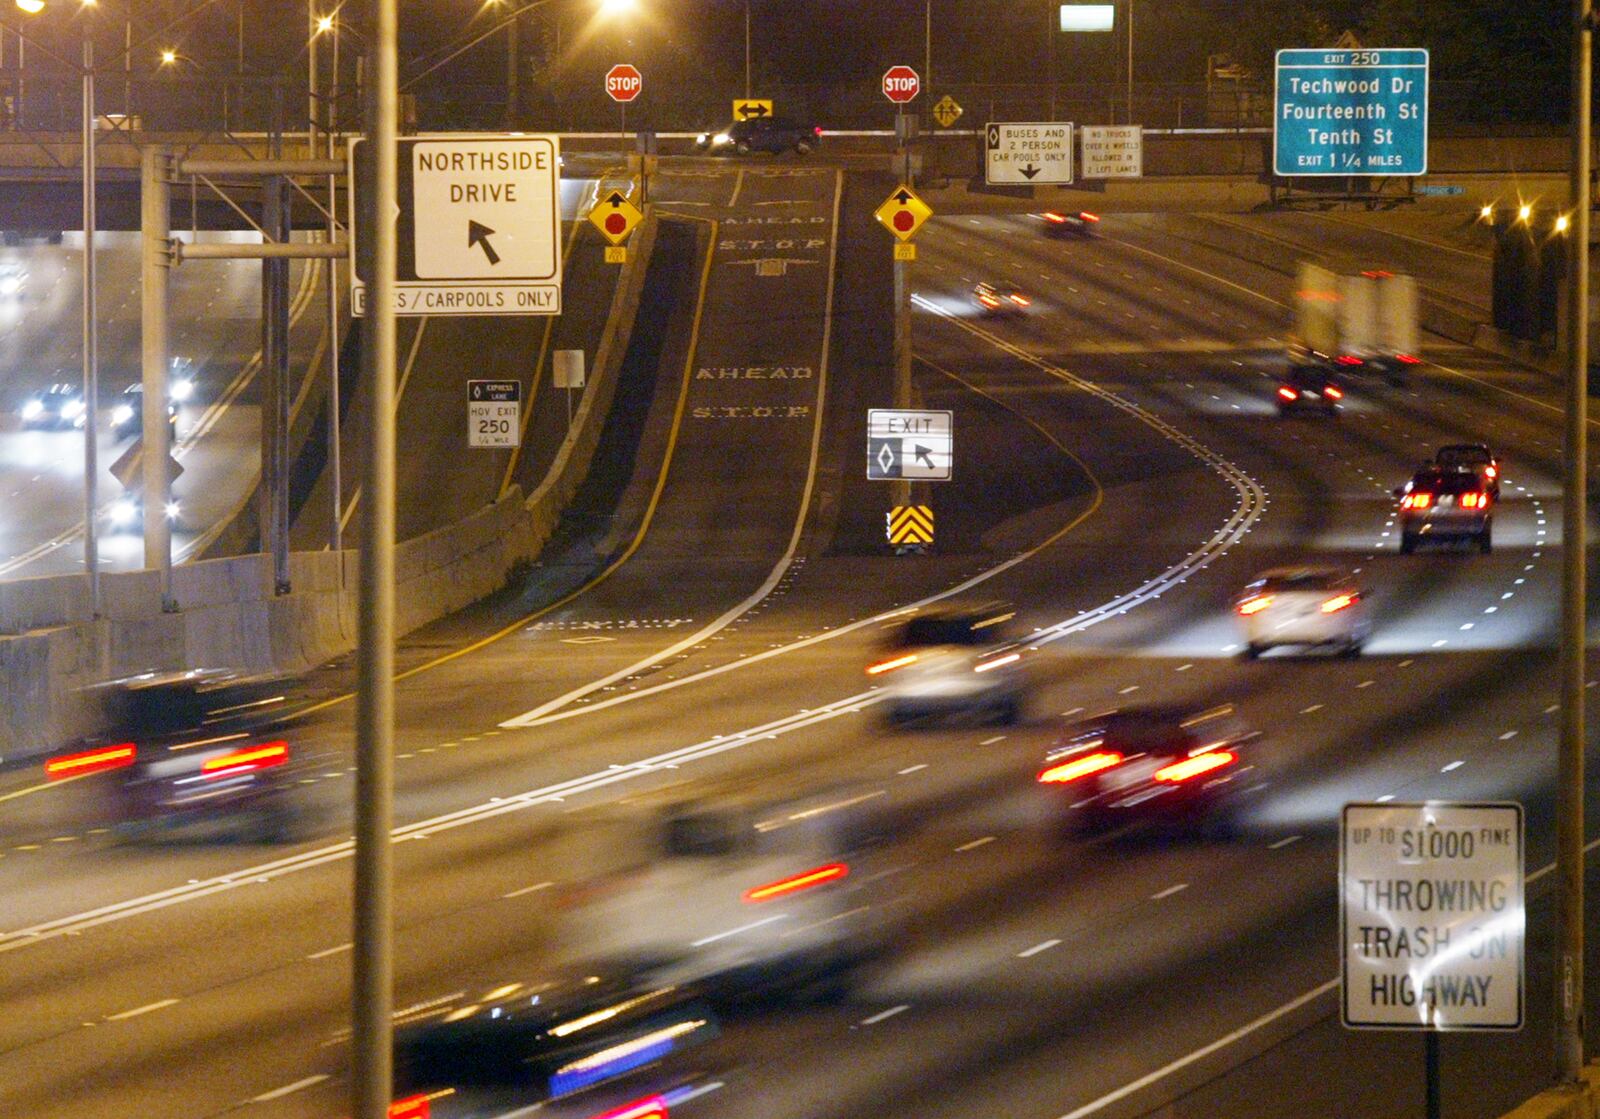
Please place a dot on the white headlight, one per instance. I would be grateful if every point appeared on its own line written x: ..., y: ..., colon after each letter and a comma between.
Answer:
x: 181, y: 389
x: 172, y: 510
x: 32, y: 409
x: 124, y: 512
x: 72, y: 409
x: 121, y: 414
x: 720, y: 138
x: 10, y: 285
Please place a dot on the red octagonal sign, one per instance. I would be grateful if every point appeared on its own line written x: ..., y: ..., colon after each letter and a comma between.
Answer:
x: 623, y: 82
x: 901, y: 84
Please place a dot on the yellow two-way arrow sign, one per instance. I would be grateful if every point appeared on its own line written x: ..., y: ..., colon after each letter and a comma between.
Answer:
x: 614, y: 216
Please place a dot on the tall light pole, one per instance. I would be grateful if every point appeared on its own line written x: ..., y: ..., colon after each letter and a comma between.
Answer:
x: 1574, y: 508
x: 747, y: 49
x: 1130, y: 63
x: 328, y: 25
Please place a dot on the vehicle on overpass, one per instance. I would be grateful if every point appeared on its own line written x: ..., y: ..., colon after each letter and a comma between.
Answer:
x: 1171, y: 767
x: 1306, y: 605
x: 1445, y: 504
x: 127, y: 415
x: 59, y: 406
x: 734, y: 888
x: 569, y: 1047
x: 1355, y: 319
x: 761, y: 134
x: 1068, y: 223
x: 1313, y: 388
x: 191, y: 753
x: 126, y: 513
x: 953, y: 658
x: 12, y: 278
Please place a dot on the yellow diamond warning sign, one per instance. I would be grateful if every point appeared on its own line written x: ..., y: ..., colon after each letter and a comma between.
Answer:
x: 911, y: 524
x: 946, y: 111
x: 903, y: 213
x: 614, y: 216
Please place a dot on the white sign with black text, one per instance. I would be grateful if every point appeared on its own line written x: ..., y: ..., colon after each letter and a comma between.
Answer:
x: 909, y: 444
x: 1432, y: 918
x: 1111, y: 151
x: 1034, y: 153
x: 494, y: 413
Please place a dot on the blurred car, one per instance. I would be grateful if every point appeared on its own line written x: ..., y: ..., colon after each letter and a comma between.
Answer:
x: 126, y: 513
x: 127, y: 415
x: 1309, y: 386
x: 12, y: 277
x: 1170, y: 766
x: 59, y: 406
x: 1305, y: 605
x: 761, y: 134
x: 1445, y: 505
x: 997, y: 300
x: 1473, y: 457
x: 953, y: 658
x: 732, y: 888
x: 199, y: 750
x: 1061, y: 223
x: 581, y: 1045
x: 14, y: 237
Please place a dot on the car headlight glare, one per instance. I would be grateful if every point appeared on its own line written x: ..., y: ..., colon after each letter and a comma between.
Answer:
x: 172, y: 510
x: 32, y: 409
x: 121, y: 414
x: 124, y: 512
x: 72, y: 409
x: 181, y: 389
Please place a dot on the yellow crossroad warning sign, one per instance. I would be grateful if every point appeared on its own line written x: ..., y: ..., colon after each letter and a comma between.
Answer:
x: 946, y: 112
x: 911, y: 524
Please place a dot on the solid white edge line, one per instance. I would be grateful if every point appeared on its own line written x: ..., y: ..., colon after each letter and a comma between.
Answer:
x: 883, y: 1015
x: 162, y: 1004
x: 289, y: 1089
x: 1042, y: 946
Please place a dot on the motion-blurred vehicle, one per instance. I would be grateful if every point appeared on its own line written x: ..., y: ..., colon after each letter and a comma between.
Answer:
x: 1309, y: 387
x: 11, y: 238
x: 761, y: 134
x: 1305, y: 605
x: 1000, y: 300
x: 12, y: 277
x: 1475, y: 458
x: 127, y: 415
x: 733, y: 888
x: 1062, y: 223
x: 953, y: 658
x: 204, y: 750
x: 1445, y: 505
x: 560, y: 1048
x: 1169, y: 766
x: 1355, y: 318
x: 126, y: 513
x: 59, y: 406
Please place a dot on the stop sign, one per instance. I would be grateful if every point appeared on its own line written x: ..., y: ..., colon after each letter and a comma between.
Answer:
x: 623, y: 82
x: 905, y: 221
x: 901, y: 84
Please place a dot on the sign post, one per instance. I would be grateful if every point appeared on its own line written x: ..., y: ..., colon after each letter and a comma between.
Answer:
x: 902, y: 214
x: 623, y: 84
x: 478, y: 225
x: 1024, y: 153
x: 1432, y: 920
x: 1350, y: 112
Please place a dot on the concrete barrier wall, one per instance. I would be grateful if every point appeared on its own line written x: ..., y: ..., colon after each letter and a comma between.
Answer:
x: 1579, y: 1102
x: 228, y: 613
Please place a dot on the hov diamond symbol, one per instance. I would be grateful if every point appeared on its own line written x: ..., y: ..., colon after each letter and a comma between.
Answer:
x: 909, y: 444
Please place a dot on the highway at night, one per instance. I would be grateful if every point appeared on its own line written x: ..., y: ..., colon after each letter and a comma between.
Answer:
x: 1121, y: 473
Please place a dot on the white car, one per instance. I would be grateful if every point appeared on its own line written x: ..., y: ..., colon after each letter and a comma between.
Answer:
x: 1306, y: 605
x: 956, y: 658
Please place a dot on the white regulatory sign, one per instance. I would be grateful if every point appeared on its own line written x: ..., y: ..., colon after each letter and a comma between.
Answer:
x: 1431, y: 912
x: 494, y: 413
x: 1111, y: 151
x: 1028, y: 153
x: 903, y: 444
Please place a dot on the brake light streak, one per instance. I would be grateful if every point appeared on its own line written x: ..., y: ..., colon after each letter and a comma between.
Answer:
x: 1254, y: 605
x: 890, y: 665
x: 805, y: 880
x: 265, y: 756
x: 90, y: 761
x: 1339, y: 602
x: 1079, y: 767
x: 1193, y: 767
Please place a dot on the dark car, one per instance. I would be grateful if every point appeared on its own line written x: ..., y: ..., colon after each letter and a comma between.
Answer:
x: 1475, y: 458
x: 1173, y: 766
x: 1000, y: 300
x: 600, y: 1042
x: 762, y: 134
x: 1061, y: 223
x: 59, y: 406
x: 1446, y: 504
x: 199, y: 750
x: 1309, y: 387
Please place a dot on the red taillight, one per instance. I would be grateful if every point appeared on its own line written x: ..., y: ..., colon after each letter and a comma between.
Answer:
x: 1287, y: 393
x: 1052, y: 216
x: 653, y: 1108
x: 412, y: 1107
x: 1332, y: 393
x: 1348, y: 359
x: 1474, y: 501
x: 1087, y: 216
x: 1416, y: 501
x: 890, y: 665
x: 90, y: 761
x: 1408, y: 359
x: 815, y: 131
x: 1193, y: 767
x: 988, y: 301
x: 805, y: 880
x: 1019, y: 299
x: 1254, y: 605
x: 264, y: 756
x: 1081, y: 766
x: 1339, y: 602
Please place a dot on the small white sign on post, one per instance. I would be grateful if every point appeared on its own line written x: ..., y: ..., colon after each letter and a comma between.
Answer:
x: 568, y: 369
x: 1112, y: 151
x: 1432, y: 916
x: 494, y: 413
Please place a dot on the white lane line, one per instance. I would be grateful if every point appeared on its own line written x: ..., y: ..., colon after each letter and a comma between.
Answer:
x: 1508, y: 734
x: 1366, y: 683
x: 138, y: 1010
x: 883, y: 1015
x: 1183, y: 668
x: 1130, y: 689
x: 326, y: 952
x: 528, y: 890
x: 992, y: 741
x: 289, y: 1089
x: 1169, y: 891
x: 1043, y: 946
x: 1284, y: 842
x: 912, y: 768
x: 1452, y: 766
x: 976, y: 843
x: 1312, y: 709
